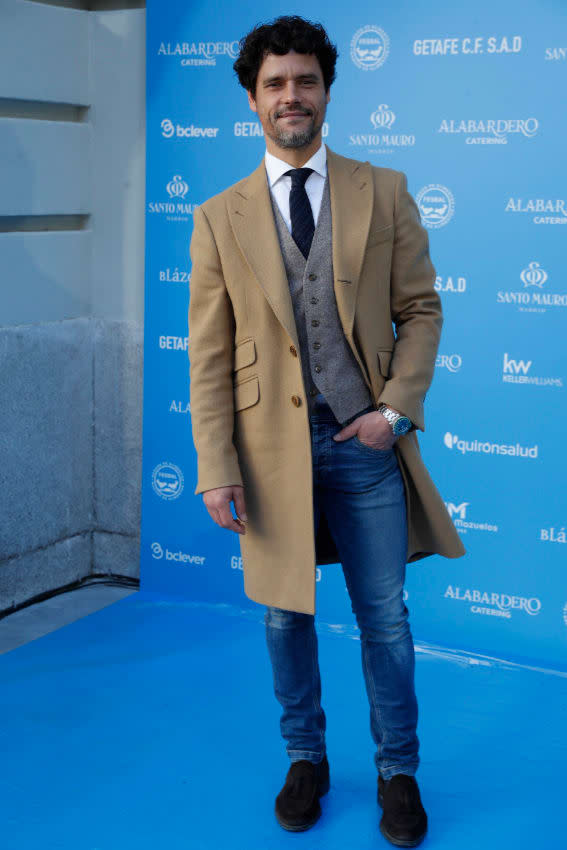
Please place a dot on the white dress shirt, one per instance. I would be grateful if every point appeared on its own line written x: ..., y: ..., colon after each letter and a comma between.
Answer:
x: 280, y: 183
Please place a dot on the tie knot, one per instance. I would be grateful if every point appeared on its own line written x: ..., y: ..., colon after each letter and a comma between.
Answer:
x: 299, y: 175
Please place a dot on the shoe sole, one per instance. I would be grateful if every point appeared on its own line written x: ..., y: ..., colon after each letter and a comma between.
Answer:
x: 398, y: 842
x: 292, y: 827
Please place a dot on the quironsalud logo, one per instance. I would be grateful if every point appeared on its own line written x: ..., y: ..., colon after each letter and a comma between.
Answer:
x: 436, y: 205
x: 369, y: 47
x: 453, y: 441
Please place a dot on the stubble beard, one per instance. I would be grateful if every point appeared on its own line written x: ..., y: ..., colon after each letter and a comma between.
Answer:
x: 294, y: 138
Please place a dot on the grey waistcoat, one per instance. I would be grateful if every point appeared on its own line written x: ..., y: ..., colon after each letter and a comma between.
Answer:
x: 328, y: 365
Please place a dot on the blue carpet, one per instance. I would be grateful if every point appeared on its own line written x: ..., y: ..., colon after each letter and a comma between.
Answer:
x: 152, y: 724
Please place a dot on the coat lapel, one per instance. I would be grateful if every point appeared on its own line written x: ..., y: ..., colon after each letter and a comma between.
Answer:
x: 352, y: 196
x: 252, y: 219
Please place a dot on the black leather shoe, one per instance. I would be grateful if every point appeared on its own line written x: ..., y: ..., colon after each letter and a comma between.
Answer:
x: 404, y: 821
x: 297, y: 804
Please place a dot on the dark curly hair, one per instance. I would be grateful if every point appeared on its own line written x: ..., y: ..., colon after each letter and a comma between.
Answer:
x: 288, y: 32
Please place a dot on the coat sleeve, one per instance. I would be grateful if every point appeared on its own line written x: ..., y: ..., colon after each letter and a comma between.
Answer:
x: 415, y: 310
x: 211, y: 359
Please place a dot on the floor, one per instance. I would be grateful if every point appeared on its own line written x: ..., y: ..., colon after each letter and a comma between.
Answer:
x: 143, y: 721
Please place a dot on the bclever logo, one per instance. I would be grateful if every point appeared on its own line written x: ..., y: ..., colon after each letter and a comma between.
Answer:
x: 177, y: 209
x: 495, y: 604
x: 382, y: 118
x: 199, y: 53
x: 534, y: 300
x: 369, y: 47
x: 458, y: 514
x: 167, y: 480
x: 178, y: 557
x: 452, y: 441
x: 470, y: 45
x: 451, y: 362
x: 493, y: 131
x: 537, y: 206
x: 157, y: 551
x: 436, y: 205
x: 169, y: 130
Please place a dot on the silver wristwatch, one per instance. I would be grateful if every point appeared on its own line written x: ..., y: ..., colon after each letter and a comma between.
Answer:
x: 399, y: 424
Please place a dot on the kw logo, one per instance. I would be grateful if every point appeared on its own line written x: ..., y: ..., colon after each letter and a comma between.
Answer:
x: 515, y: 367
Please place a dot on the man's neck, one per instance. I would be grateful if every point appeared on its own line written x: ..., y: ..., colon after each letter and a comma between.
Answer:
x: 296, y: 157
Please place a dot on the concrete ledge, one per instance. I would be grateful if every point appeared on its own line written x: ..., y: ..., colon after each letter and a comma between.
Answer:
x: 116, y: 554
x: 46, y: 569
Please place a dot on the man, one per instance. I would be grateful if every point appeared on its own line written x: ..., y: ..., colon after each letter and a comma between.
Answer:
x: 305, y: 407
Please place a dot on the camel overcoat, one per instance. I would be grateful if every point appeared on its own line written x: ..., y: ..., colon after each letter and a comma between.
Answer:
x: 249, y: 413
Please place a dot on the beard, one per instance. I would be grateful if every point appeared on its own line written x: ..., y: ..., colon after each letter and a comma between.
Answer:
x: 294, y: 138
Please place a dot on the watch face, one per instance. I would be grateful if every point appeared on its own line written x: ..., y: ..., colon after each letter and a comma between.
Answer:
x: 402, y: 426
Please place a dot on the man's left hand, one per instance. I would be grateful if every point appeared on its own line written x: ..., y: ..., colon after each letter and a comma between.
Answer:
x: 372, y: 428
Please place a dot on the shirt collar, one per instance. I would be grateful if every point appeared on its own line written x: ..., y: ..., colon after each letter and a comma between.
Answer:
x: 276, y: 167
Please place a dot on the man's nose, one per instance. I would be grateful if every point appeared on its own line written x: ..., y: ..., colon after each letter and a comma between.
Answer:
x: 291, y: 92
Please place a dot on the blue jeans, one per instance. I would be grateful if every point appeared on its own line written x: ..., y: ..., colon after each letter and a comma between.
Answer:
x: 361, y: 491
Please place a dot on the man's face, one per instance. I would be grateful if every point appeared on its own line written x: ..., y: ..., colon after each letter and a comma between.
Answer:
x: 290, y: 98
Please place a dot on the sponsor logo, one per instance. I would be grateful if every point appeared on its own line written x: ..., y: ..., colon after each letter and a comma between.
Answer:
x: 180, y: 557
x: 174, y: 343
x: 536, y: 207
x: 249, y: 129
x: 494, y: 604
x: 463, y: 524
x: 179, y: 407
x: 473, y: 45
x: 436, y: 205
x: 369, y: 47
x: 177, y: 208
x: 169, y: 130
x: 451, y: 362
x: 167, y: 481
x: 565, y: 613
x: 450, y: 284
x: 452, y: 441
x: 532, y: 299
x: 490, y: 132
x: 174, y: 276
x: 553, y: 535
x: 555, y: 54
x: 516, y: 372
x: 383, y: 119
x: 199, y: 54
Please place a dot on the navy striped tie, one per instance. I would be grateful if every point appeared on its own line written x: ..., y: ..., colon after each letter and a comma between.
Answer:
x: 302, y: 224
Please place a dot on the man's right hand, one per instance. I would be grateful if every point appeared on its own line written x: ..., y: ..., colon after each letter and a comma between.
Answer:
x: 218, y: 501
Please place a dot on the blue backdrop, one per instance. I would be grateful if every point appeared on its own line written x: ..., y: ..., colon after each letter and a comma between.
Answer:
x: 470, y: 104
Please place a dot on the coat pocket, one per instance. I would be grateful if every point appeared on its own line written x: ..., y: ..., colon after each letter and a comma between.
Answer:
x: 246, y: 393
x: 380, y: 234
x: 384, y: 357
x: 244, y: 353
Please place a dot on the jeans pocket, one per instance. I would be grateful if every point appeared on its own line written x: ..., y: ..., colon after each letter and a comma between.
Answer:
x: 379, y: 452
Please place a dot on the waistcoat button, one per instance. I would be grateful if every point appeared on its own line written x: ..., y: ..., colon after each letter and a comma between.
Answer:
x: 296, y: 400
x: 317, y: 368
x: 312, y: 276
x: 315, y: 323
x: 313, y: 300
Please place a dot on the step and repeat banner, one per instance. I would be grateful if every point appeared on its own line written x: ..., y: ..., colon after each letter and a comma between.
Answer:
x: 469, y: 103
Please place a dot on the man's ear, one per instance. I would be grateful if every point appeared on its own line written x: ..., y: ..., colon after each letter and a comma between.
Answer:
x: 328, y: 95
x: 251, y: 102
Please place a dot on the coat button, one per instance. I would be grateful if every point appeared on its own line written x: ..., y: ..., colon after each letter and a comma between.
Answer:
x: 293, y: 350
x: 296, y: 400
x: 312, y: 276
